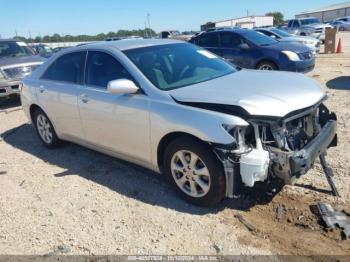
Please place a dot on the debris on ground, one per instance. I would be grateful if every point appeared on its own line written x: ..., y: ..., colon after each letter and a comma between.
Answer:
x: 248, y: 225
x: 333, y: 218
x: 279, y: 211
x: 217, y: 248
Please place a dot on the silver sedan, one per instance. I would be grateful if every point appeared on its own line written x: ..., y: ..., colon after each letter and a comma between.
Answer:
x: 280, y: 35
x: 181, y: 111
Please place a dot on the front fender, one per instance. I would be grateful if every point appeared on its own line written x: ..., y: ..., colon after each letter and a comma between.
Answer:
x: 204, y: 124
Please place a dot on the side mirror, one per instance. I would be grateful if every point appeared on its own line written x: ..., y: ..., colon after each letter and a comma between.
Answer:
x: 122, y: 86
x: 244, y: 46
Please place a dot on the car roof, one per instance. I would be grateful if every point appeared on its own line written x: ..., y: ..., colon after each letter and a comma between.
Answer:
x: 126, y: 44
x: 10, y: 40
x: 235, y: 30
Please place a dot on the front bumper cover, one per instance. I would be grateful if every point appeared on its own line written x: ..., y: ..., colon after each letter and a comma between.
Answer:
x: 9, y: 88
x: 303, y: 160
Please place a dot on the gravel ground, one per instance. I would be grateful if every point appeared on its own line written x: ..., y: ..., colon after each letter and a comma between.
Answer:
x: 76, y: 201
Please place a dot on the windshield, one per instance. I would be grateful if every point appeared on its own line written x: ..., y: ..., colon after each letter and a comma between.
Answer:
x: 280, y: 32
x: 258, y: 38
x: 310, y: 21
x: 175, y: 32
x: 14, y: 49
x: 178, y: 65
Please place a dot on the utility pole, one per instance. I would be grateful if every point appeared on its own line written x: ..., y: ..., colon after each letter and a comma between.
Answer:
x: 146, y: 32
x: 16, y: 33
x: 149, y: 24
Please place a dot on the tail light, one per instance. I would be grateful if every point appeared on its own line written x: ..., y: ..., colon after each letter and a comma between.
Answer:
x: 21, y: 87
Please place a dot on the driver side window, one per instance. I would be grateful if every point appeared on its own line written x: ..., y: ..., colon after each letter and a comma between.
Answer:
x: 102, y: 68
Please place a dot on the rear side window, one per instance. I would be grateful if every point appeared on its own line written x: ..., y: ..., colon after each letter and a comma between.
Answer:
x: 209, y: 40
x: 102, y: 68
x: 66, y: 68
x: 230, y: 40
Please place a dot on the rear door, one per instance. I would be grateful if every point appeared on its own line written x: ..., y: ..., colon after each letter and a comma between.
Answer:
x: 118, y: 123
x: 58, y: 90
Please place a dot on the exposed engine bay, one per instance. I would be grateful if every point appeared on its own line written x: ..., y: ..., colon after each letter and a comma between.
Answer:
x: 283, y: 148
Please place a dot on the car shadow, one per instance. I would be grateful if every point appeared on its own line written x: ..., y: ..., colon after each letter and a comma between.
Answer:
x: 9, y: 102
x: 125, y: 178
x: 339, y: 83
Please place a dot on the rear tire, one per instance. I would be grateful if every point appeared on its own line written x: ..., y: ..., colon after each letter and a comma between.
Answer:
x: 45, y: 129
x: 195, y: 172
x: 266, y: 65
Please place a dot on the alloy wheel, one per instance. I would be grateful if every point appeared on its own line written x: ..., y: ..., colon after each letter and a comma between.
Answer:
x: 190, y: 173
x: 44, y: 128
x: 265, y: 67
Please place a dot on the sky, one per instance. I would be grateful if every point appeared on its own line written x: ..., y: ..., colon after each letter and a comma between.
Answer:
x: 46, y: 17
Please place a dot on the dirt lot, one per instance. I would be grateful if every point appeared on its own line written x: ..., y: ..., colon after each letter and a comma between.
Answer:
x: 76, y: 201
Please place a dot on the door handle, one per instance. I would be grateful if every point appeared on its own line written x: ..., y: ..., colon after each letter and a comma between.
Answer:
x: 41, y: 89
x: 84, y: 98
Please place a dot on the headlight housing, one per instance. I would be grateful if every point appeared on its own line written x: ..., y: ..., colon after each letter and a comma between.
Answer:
x: 239, y: 135
x: 292, y: 56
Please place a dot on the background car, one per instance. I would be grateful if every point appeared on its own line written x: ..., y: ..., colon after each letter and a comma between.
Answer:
x: 309, y: 26
x: 59, y: 48
x: 344, y: 19
x: 341, y: 25
x: 249, y: 49
x: 43, y: 50
x: 17, y: 60
x: 280, y: 35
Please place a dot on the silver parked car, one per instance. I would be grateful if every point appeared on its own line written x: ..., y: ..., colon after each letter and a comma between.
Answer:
x: 341, y: 25
x: 181, y: 111
x: 17, y: 60
x: 313, y: 43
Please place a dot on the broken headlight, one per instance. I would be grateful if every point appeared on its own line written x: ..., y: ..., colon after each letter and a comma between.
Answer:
x: 239, y: 134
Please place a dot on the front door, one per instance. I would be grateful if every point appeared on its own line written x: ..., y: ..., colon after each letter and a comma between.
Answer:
x: 231, y: 49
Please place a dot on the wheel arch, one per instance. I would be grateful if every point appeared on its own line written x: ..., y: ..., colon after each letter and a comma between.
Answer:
x: 166, y: 140
x: 270, y: 60
x: 32, y: 109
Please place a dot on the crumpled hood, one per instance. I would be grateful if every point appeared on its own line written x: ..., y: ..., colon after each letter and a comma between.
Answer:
x: 9, y: 61
x: 260, y: 93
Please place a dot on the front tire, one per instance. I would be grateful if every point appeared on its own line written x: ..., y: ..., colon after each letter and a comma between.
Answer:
x: 45, y: 130
x: 266, y: 65
x: 195, y: 172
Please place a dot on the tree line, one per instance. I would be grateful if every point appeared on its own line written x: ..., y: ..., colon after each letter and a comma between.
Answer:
x: 86, y: 38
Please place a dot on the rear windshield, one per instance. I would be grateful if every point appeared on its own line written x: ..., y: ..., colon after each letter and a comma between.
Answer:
x: 14, y: 49
x: 310, y: 21
x: 177, y: 65
x: 280, y: 32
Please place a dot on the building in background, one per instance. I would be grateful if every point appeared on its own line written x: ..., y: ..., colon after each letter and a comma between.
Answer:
x: 244, y: 22
x: 328, y: 13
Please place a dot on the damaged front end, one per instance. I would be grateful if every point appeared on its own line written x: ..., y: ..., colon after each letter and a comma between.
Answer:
x: 284, y: 148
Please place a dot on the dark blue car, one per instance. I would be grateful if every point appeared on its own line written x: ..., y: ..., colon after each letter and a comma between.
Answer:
x: 249, y: 49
